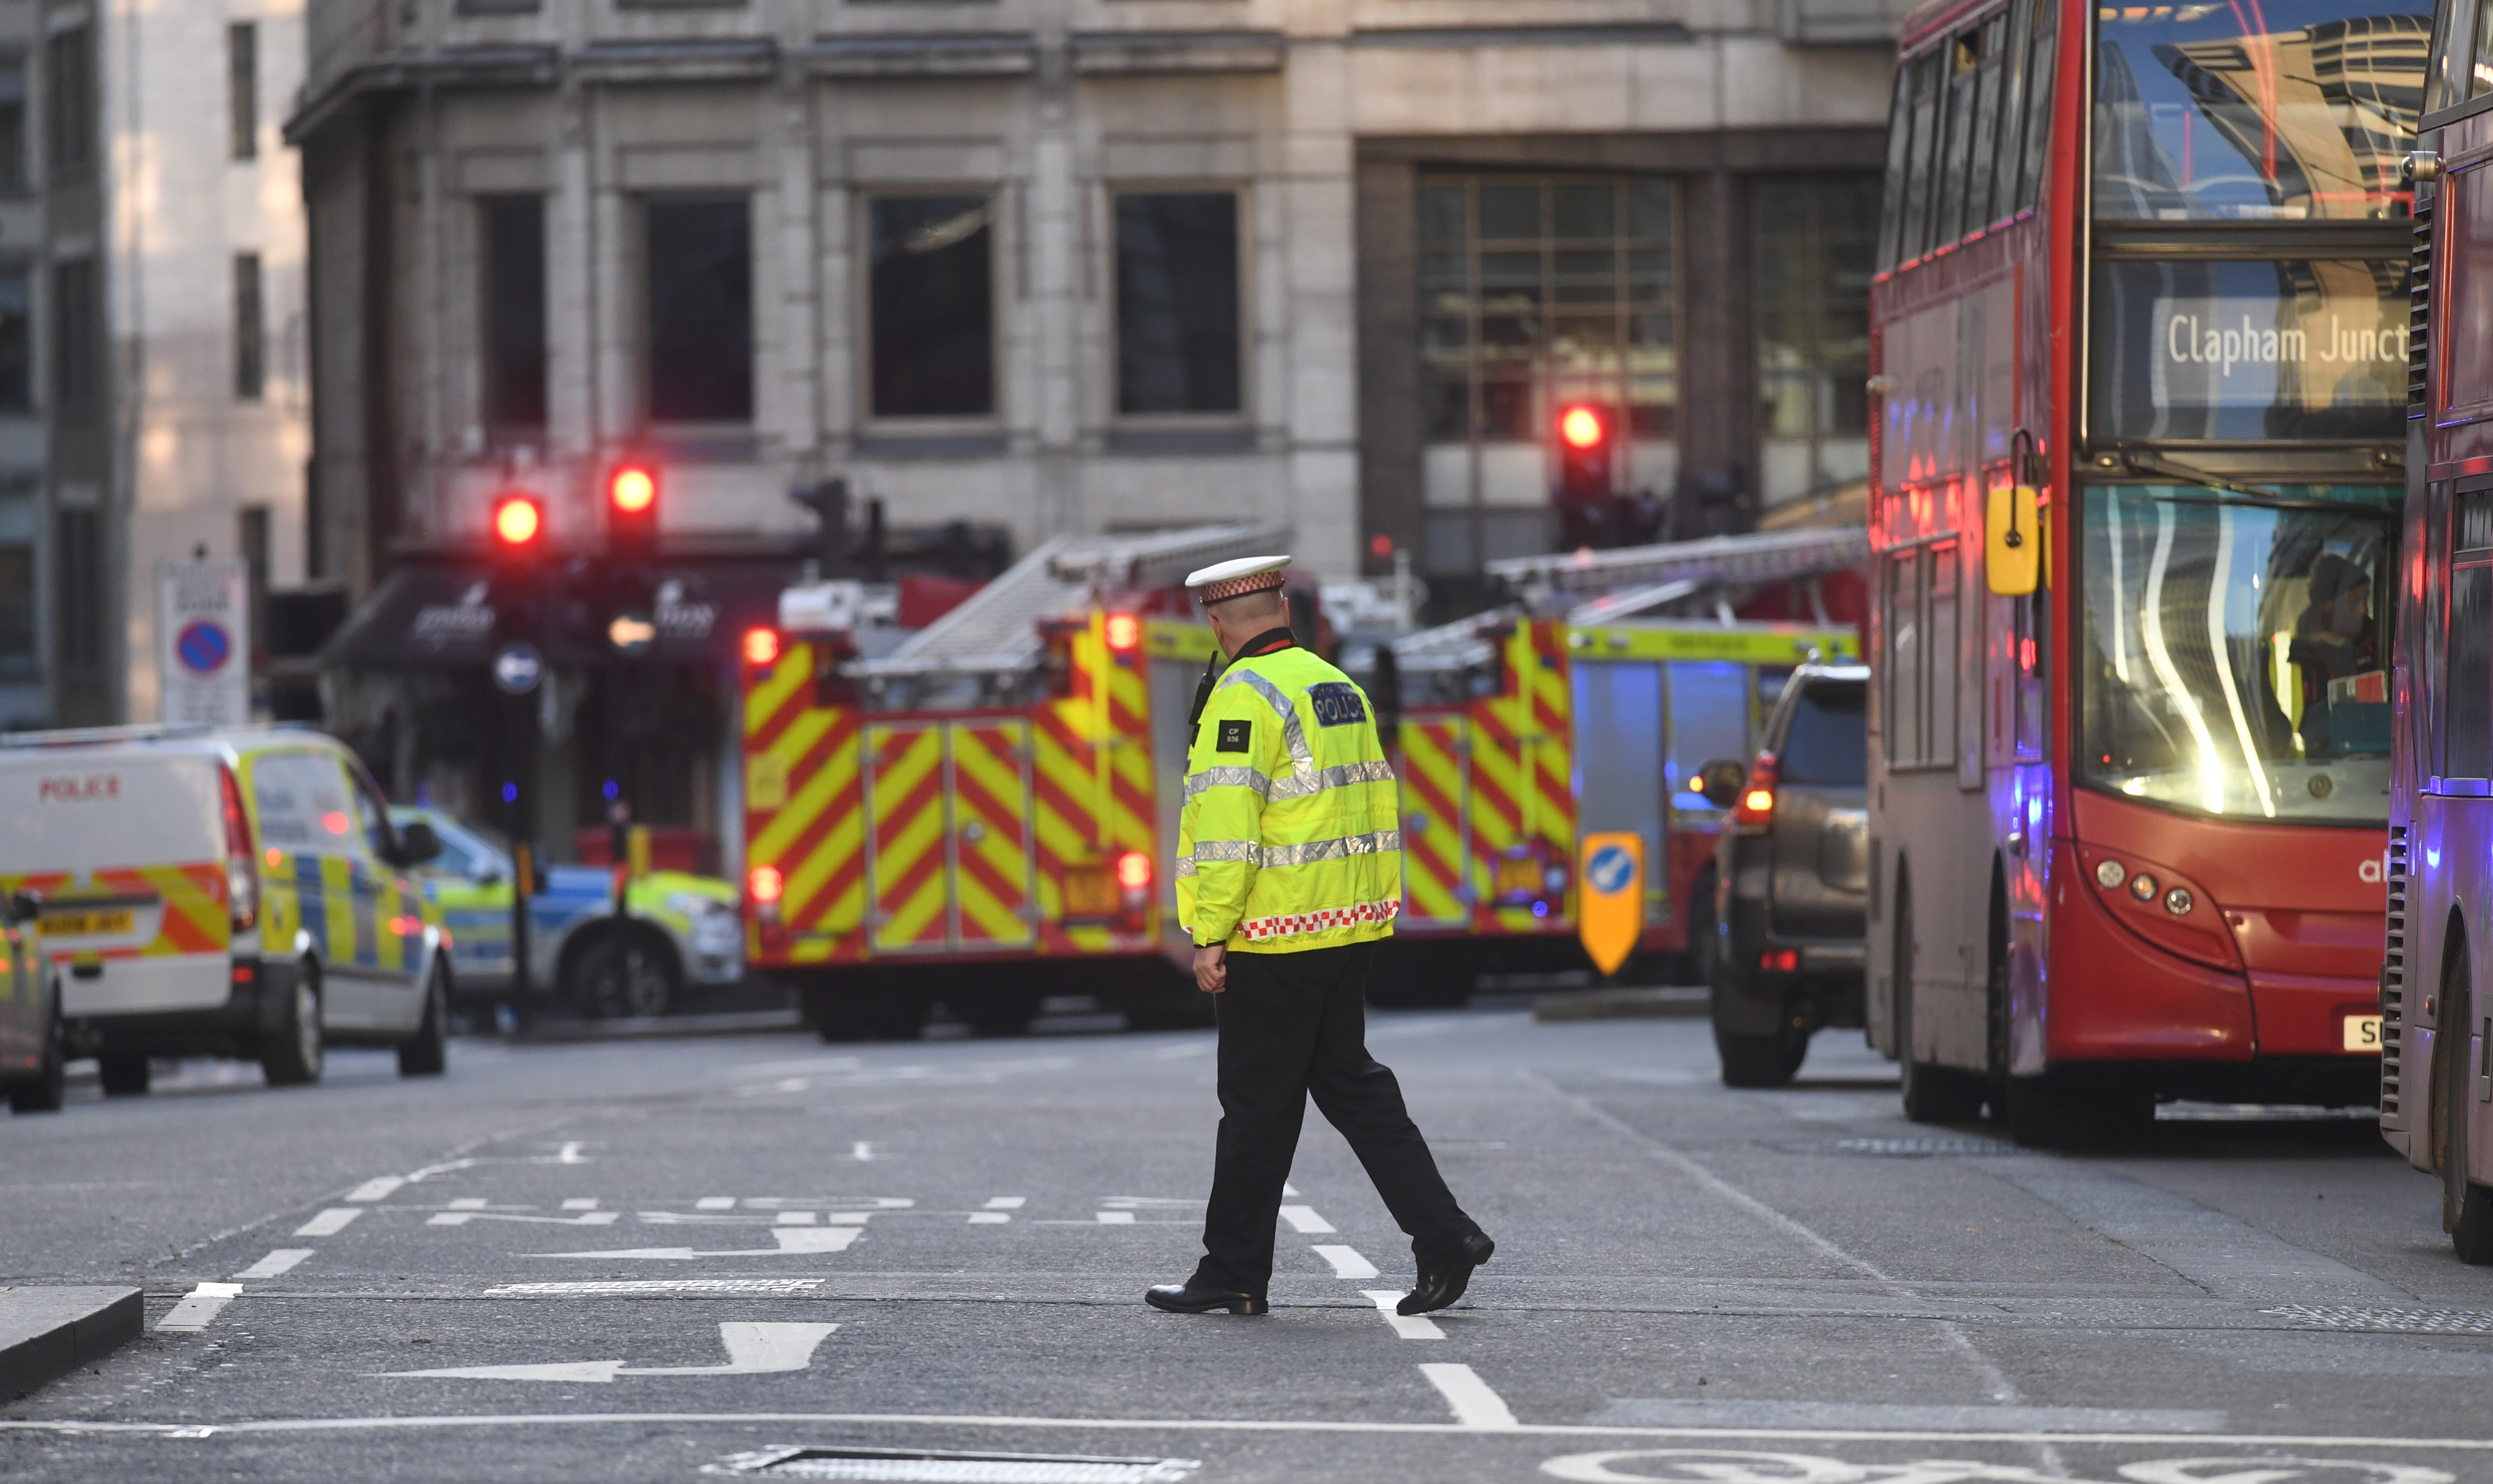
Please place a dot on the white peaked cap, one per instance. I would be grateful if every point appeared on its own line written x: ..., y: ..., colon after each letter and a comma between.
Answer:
x: 1236, y: 578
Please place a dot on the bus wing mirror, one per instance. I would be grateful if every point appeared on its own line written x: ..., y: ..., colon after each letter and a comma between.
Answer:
x: 1720, y: 782
x: 2012, y: 554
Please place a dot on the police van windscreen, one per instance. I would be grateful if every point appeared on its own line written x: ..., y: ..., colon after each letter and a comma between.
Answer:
x: 1828, y: 743
x: 76, y: 810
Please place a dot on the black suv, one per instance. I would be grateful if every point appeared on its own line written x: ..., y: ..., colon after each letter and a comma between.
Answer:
x: 1791, y: 875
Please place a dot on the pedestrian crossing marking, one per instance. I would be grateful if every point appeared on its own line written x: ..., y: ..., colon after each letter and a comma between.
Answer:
x: 1409, y: 1326
x: 1304, y: 1219
x: 794, y: 1242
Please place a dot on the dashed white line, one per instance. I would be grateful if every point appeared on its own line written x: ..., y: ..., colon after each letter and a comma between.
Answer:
x: 570, y: 1153
x: 330, y: 1222
x: 1346, y: 1261
x: 196, y: 1308
x: 1473, y: 1404
x: 1304, y: 1218
x: 1114, y: 1217
x: 797, y: 1219
x: 581, y: 1203
x: 470, y: 1204
x: 1408, y: 1327
x: 277, y: 1263
x: 988, y: 1218
x: 1287, y: 1189
x: 715, y: 1204
x: 377, y: 1189
x: 1006, y: 1203
x: 861, y: 1150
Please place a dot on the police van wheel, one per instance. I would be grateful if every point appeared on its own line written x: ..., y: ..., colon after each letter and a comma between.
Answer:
x: 428, y: 1052
x: 296, y: 1048
x: 122, y: 1076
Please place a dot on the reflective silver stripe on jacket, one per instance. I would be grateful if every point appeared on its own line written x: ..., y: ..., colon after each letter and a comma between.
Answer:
x: 1247, y: 850
x: 1323, y: 778
x: 1293, y: 736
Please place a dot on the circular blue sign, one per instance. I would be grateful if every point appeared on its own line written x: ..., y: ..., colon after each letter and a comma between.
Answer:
x: 518, y: 668
x: 1610, y: 869
x: 203, y: 646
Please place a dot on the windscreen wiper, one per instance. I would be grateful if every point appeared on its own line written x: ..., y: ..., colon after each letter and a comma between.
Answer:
x: 2140, y: 461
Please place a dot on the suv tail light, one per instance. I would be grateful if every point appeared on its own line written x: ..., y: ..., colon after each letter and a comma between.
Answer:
x: 242, y: 858
x: 1757, y: 808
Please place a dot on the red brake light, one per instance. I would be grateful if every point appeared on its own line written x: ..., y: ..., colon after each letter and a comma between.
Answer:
x: 242, y: 859
x: 760, y: 647
x: 1580, y: 427
x: 1757, y: 806
x: 517, y: 519
x: 766, y: 884
x: 1133, y: 870
x: 1125, y: 631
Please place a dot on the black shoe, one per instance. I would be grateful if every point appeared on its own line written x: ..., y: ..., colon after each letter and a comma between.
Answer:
x: 1195, y: 1296
x: 1443, y: 1283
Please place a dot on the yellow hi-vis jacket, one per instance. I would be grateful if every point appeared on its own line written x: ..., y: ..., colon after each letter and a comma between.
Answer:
x: 1290, y: 836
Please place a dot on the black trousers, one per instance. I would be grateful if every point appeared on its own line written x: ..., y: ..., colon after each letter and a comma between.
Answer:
x: 1292, y: 1025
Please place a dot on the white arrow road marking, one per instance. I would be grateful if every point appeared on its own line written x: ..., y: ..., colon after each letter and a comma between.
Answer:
x: 1413, y: 1326
x: 329, y: 1223
x: 196, y: 1308
x: 752, y: 1349
x: 1304, y: 1218
x: 793, y: 1241
x: 583, y: 1219
x: 1346, y: 1261
x: 277, y: 1263
x: 1473, y: 1404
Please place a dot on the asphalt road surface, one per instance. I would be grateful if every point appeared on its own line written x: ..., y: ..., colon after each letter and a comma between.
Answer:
x: 671, y: 1260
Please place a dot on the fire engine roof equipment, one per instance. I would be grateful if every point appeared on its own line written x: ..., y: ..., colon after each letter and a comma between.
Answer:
x: 1633, y: 577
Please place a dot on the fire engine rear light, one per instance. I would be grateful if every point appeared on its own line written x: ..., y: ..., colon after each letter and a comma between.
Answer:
x: 760, y: 647
x: 1780, y: 960
x: 1133, y: 870
x: 242, y: 856
x: 1757, y: 806
x: 1125, y: 631
x: 766, y: 884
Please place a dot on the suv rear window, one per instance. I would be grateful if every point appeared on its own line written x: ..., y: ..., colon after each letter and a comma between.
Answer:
x: 1827, y: 742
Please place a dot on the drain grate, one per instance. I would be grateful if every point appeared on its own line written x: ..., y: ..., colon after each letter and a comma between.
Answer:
x: 2395, y: 1321
x: 923, y: 1466
x: 1939, y: 1147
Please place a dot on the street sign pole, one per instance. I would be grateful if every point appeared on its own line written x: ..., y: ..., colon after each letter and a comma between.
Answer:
x: 518, y: 670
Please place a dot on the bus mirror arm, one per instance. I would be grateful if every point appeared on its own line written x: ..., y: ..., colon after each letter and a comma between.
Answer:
x: 2139, y: 461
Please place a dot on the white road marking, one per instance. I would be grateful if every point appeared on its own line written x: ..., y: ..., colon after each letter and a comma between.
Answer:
x: 1113, y: 1218
x: 794, y: 1242
x: 196, y: 1308
x: 277, y: 1263
x: 988, y: 1218
x: 1006, y: 1203
x: 1346, y: 1261
x: 1475, y: 1405
x: 1304, y: 1218
x: 377, y: 1189
x: 583, y: 1219
x: 1406, y: 1327
x: 661, y: 1285
x: 581, y: 1203
x: 861, y: 1150
x: 329, y: 1223
x: 1287, y: 1189
x: 470, y: 1204
x: 838, y: 1218
x: 570, y: 1153
x: 752, y: 1349
x: 715, y: 1204
x: 797, y: 1219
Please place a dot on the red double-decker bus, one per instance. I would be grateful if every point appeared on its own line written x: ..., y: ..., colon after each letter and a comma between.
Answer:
x: 2139, y: 353
x: 2437, y: 975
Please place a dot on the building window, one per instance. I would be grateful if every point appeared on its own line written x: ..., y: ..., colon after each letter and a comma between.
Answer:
x: 250, y: 330
x: 700, y: 285
x: 78, y: 338
x: 242, y: 87
x: 77, y: 588
x: 17, y: 581
x: 17, y: 340
x: 1536, y: 293
x: 1816, y: 237
x: 13, y: 123
x: 515, y: 311
x: 253, y: 532
x: 932, y: 302
x: 1177, y: 303
x: 68, y: 89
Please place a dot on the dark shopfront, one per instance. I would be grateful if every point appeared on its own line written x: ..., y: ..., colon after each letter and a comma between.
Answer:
x: 411, y: 688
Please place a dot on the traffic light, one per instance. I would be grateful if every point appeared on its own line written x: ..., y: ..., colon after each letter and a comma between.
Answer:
x: 518, y: 526
x: 632, y: 509
x: 1584, y: 443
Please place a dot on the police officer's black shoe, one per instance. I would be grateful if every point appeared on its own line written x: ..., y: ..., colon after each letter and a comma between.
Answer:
x: 1195, y: 1296
x: 1444, y: 1281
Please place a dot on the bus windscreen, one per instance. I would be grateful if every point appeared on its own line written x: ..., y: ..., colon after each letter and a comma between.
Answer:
x: 2236, y: 653
x: 2257, y: 109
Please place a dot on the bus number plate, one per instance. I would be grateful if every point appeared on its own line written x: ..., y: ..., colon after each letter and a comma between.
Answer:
x: 2363, y: 1033
x: 87, y: 924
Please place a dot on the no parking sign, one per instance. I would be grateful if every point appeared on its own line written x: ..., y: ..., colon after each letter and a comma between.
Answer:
x: 204, y: 640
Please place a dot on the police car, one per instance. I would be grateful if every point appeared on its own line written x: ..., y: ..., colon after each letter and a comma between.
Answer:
x: 678, y: 928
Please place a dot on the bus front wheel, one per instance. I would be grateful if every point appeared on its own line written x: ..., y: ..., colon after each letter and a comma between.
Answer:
x: 2465, y: 1207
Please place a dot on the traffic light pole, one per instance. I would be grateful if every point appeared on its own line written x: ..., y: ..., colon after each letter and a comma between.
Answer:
x: 521, y: 730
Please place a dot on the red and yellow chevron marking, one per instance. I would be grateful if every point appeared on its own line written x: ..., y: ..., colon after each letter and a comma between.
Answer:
x: 991, y: 829
x: 804, y: 813
x: 194, y: 919
x: 903, y: 765
x: 1093, y: 783
x: 1436, y: 844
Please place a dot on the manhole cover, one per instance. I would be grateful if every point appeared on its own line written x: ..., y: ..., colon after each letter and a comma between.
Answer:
x: 2400, y: 1321
x: 1940, y: 1147
x: 942, y: 1468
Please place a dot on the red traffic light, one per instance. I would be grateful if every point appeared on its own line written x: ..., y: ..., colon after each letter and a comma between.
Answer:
x: 518, y: 519
x: 1580, y: 427
x: 632, y: 490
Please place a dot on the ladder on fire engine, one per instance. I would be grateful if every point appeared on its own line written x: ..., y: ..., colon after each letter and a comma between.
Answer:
x: 1604, y: 585
x: 997, y: 630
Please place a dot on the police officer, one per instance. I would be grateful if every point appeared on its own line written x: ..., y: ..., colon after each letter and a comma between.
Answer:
x: 1290, y: 872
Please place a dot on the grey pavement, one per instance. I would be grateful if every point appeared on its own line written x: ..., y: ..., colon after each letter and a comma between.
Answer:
x: 672, y: 1259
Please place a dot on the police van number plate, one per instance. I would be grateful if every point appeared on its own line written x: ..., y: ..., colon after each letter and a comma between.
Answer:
x: 88, y: 925
x: 2362, y: 1033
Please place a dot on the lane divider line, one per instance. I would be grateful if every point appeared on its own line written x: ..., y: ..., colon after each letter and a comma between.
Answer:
x: 196, y: 1308
x: 330, y: 1222
x: 1006, y: 1203
x: 277, y: 1264
x: 1406, y: 1327
x: 377, y: 1188
x: 715, y: 1204
x: 988, y: 1218
x: 1304, y: 1218
x: 581, y: 1203
x: 1113, y: 1218
x: 1346, y: 1261
x: 1475, y: 1405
